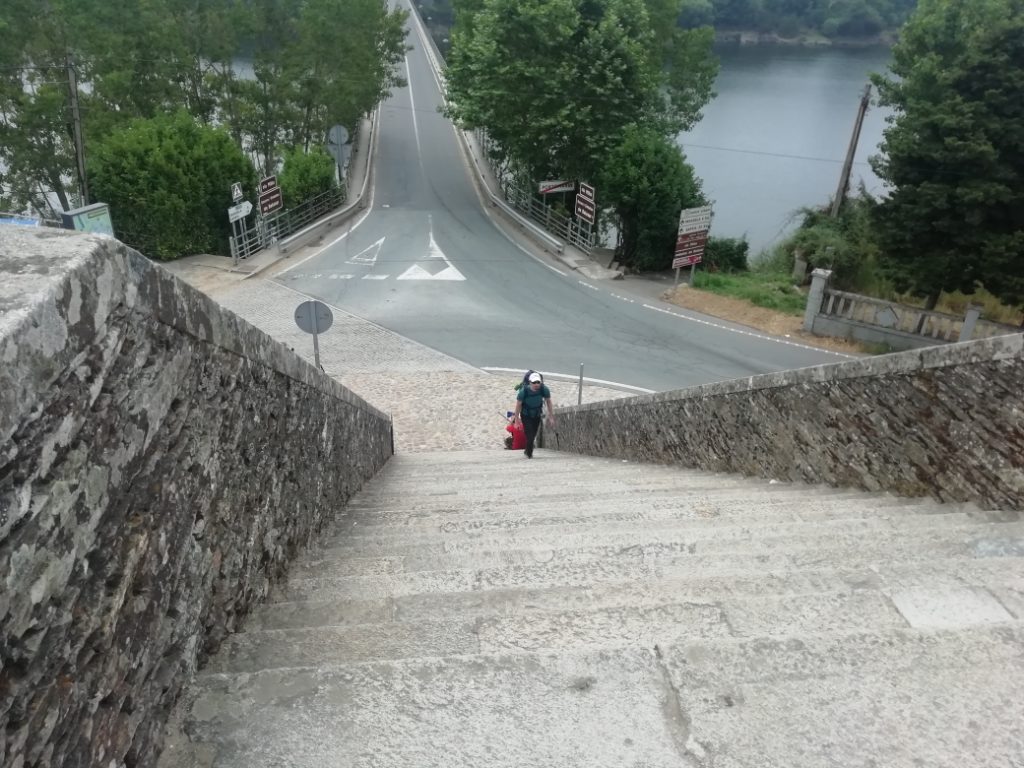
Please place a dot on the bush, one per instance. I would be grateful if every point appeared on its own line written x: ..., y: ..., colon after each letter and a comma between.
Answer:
x: 168, y: 183
x: 306, y: 175
x: 844, y: 244
x: 727, y: 254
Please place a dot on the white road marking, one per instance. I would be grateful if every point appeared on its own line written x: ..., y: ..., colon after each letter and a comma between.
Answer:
x: 412, y: 106
x: 572, y: 377
x: 761, y: 336
x: 368, y: 255
x: 376, y: 277
x: 588, y: 285
x: 419, y: 272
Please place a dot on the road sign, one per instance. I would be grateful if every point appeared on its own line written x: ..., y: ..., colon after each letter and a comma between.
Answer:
x: 313, y: 317
x: 239, y: 211
x: 548, y: 187
x: 268, y: 183
x: 686, y: 261
x: 271, y: 201
x: 695, y: 220
x: 587, y: 191
x: 585, y: 209
x: 236, y: 191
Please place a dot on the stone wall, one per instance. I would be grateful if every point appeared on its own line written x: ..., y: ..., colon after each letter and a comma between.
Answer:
x: 946, y: 422
x: 160, y: 463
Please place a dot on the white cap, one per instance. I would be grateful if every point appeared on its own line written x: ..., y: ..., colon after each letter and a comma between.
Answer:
x: 534, y: 377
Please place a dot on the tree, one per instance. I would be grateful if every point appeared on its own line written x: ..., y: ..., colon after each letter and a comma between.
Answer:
x: 168, y: 182
x: 953, y: 152
x: 647, y: 181
x: 556, y: 82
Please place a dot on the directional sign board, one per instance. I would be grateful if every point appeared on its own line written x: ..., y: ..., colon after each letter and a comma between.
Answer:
x: 587, y: 191
x: 695, y: 220
x: 268, y: 183
x: 548, y: 187
x: 585, y: 209
x: 271, y: 201
x: 692, y: 237
x: 313, y: 317
x: 240, y: 211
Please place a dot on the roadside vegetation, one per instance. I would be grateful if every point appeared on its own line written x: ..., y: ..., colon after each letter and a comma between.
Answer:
x: 254, y: 81
x: 950, y: 229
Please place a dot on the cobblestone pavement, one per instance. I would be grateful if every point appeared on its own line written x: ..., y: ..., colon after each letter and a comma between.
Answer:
x: 438, y: 403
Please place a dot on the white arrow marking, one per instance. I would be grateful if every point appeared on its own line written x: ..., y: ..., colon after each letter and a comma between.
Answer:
x: 368, y: 255
x: 416, y: 272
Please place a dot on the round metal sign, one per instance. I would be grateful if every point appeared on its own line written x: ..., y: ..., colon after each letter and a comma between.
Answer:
x: 313, y: 317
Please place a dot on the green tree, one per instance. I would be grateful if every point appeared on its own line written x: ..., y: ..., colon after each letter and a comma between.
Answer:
x: 306, y: 175
x: 953, y: 152
x: 556, y: 82
x: 647, y: 181
x: 168, y: 182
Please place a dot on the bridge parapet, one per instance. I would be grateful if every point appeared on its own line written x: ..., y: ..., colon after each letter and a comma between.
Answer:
x: 161, y: 461
x: 945, y: 422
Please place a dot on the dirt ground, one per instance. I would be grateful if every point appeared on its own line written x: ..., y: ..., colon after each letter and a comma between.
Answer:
x: 764, y: 320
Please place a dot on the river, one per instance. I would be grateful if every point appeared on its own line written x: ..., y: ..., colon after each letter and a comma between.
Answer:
x: 774, y: 138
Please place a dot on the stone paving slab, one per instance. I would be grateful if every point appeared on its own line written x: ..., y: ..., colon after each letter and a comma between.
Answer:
x: 328, y: 609
x: 608, y: 711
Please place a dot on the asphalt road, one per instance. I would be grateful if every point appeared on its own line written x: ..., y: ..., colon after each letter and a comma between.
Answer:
x: 428, y: 263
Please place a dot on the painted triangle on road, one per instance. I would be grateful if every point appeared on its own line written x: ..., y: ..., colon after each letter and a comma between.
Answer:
x: 368, y: 255
x: 418, y: 272
x: 435, y: 267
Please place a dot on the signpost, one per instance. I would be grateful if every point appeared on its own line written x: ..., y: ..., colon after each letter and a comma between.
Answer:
x: 552, y: 186
x: 691, y: 239
x: 240, y: 211
x: 270, y: 199
x: 314, y: 317
x: 236, y: 191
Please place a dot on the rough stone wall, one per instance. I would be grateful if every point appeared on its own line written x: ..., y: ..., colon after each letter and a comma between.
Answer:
x: 946, y: 422
x: 160, y: 463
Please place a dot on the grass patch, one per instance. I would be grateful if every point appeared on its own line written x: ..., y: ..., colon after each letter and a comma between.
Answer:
x: 763, y: 289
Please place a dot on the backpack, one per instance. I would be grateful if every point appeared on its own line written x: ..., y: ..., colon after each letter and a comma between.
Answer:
x: 526, y: 379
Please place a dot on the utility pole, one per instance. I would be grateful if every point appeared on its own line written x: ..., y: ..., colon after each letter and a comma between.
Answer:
x: 76, y: 128
x: 844, y: 178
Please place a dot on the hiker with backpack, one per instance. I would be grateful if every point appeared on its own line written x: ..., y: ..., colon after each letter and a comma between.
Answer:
x: 533, y: 395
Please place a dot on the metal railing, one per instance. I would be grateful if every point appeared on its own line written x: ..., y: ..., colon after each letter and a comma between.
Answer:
x: 280, y: 225
x: 272, y: 228
x: 524, y: 200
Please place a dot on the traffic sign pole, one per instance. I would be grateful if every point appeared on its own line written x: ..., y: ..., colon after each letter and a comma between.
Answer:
x: 316, y: 341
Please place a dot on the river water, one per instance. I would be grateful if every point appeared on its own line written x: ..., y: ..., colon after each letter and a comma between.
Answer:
x: 775, y: 137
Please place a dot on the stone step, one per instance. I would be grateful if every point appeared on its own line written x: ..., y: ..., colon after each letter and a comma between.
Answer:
x: 557, y: 574
x: 915, y: 697
x: 483, y: 496
x: 618, y: 627
x: 997, y: 575
x: 718, y: 506
x: 679, y: 548
x: 517, y: 546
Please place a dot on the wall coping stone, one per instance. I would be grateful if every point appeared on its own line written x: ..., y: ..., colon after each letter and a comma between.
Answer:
x: 992, y: 349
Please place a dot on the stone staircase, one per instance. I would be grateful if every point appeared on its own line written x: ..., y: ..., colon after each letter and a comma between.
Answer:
x: 474, y: 609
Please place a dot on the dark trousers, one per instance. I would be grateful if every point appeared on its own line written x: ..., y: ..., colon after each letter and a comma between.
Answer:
x: 531, y: 424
